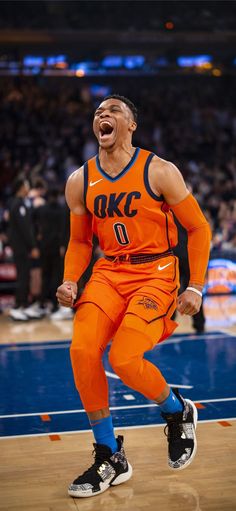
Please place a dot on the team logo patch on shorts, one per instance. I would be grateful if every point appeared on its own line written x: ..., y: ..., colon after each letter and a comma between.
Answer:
x: 148, y: 303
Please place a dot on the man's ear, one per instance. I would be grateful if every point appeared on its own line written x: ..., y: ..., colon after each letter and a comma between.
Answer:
x: 133, y: 126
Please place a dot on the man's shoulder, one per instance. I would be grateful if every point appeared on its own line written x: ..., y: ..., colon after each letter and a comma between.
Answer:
x: 162, y: 165
x: 77, y: 174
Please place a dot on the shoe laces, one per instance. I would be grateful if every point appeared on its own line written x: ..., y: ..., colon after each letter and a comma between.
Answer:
x: 100, y: 454
x: 173, y: 430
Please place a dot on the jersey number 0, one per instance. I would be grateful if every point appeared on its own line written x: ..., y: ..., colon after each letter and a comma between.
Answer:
x: 121, y: 233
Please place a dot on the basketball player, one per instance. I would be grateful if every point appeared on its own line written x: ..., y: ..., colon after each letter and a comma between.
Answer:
x: 126, y: 196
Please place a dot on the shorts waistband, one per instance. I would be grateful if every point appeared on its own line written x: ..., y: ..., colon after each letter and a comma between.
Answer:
x: 138, y: 258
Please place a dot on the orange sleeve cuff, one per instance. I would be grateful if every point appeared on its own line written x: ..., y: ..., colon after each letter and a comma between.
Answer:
x: 79, y: 251
x: 192, y: 219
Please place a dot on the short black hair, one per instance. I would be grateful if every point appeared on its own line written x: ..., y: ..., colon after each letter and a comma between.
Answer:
x: 38, y: 183
x: 127, y: 101
x: 18, y: 183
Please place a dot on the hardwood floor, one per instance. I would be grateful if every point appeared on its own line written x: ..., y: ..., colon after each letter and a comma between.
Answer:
x: 47, y: 330
x: 35, y: 471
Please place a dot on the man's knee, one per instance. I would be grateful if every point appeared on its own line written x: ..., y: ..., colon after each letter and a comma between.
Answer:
x: 123, y: 359
x: 125, y: 367
x: 133, y: 338
x: 82, y: 350
x: 118, y: 358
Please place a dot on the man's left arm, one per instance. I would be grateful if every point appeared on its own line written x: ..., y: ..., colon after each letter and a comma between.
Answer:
x: 171, y: 185
x: 192, y: 219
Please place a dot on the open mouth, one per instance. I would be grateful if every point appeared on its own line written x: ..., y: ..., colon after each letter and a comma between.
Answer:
x: 105, y: 129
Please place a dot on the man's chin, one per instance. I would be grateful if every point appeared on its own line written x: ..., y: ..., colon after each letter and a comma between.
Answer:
x: 107, y: 144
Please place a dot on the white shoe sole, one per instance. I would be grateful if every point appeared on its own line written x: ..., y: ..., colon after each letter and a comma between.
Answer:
x: 122, y: 478
x: 22, y: 320
x: 195, y: 417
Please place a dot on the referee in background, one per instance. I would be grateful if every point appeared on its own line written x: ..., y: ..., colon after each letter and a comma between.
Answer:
x: 23, y: 242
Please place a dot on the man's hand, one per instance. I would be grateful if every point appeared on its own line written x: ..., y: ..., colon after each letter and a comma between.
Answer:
x: 189, y: 303
x: 66, y: 293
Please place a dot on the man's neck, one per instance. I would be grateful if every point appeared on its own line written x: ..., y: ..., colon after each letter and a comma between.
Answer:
x: 113, y: 162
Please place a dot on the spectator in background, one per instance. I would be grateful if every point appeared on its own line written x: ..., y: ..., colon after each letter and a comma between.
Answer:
x: 36, y: 196
x: 23, y: 243
x: 51, y: 220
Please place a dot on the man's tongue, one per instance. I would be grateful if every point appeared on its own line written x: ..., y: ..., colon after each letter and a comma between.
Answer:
x: 105, y: 129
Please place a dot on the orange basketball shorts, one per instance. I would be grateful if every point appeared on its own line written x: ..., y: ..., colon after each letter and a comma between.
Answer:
x: 147, y: 290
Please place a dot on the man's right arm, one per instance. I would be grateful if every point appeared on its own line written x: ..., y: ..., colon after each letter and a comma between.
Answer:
x: 79, y: 251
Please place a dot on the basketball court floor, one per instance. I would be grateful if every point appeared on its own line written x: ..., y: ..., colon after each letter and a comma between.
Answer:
x: 46, y: 439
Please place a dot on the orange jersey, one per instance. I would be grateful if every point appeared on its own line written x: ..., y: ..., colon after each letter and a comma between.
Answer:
x: 128, y: 217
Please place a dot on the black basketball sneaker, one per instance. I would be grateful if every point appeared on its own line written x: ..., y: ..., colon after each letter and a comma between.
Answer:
x: 181, y: 434
x: 108, y: 470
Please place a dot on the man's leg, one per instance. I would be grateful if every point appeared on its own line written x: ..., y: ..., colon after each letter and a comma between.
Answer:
x: 134, y: 337
x: 199, y: 321
x: 23, y: 275
x: 22, y: 263
x: 92, y: 331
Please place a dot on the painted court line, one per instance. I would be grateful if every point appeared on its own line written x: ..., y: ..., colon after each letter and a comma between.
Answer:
x: 53, y: 345
x: 114, y: 408
x: 117, y: 428
x: 112, y: 375
x: 194, y: 337
x: 37, y: 348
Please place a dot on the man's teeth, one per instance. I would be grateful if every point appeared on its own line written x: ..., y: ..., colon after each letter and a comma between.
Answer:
x: 106, y: 128
x: 106, y: 123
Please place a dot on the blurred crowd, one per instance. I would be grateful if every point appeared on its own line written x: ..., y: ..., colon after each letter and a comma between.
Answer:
x: 89, y: 15
x: 46, y: 133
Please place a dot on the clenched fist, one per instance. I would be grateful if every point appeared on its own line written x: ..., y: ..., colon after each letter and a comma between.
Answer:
x: 66, y: 293
x: 189, y: 303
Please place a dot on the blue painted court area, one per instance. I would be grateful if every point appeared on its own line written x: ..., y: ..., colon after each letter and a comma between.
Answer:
x: 36, y: 381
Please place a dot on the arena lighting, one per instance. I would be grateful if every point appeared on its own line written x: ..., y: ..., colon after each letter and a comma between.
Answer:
x: 195, y: 61
x: 216, y: 72
x: 100, y: 91
x: 30, y: 71
x: 114, y: 61
x: 79, y: 73
x: 32, y: 61
x: 127, y: 61
x: 134, y: 61
x: 85, y: 66
x: 55, y: 60
x: 169, y: 25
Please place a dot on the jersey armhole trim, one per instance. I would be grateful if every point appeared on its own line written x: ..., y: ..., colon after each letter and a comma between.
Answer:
x: 85, y: 182
x: 158, y: 198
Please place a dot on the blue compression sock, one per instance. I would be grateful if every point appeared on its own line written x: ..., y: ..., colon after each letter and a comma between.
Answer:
x: 172, y: 404
x: 104, y: 433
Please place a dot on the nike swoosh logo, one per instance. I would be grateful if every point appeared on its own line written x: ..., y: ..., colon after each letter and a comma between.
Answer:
x: 92, y: 183
x: 163, y: 267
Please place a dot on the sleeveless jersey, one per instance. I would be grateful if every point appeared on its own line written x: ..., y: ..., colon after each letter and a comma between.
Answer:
x: 128, y: 217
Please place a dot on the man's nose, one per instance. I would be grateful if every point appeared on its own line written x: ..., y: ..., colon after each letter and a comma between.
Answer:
x: 105, y: 113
